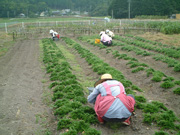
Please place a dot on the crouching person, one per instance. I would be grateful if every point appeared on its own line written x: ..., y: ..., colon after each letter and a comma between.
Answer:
x: 54, y: 34
x: 111, y: 102
x: 105, y: 39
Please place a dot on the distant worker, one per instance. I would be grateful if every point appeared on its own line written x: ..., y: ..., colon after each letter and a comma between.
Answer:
x: 54, y: 34
x: 111, y: 102
x: 105, y: 39
x: 109, y: 33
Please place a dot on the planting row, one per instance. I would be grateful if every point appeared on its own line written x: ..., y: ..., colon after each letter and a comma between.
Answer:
x: 169, y: 59
x: 168, y: 82
x: 152, y: 42
x: 166, y: 51
x: 158, y: 57
x: 154, y: 112
x: 74, y: 117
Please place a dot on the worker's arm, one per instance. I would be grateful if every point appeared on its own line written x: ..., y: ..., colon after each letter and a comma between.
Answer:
x: 102, y: 38
x: 92, y: 97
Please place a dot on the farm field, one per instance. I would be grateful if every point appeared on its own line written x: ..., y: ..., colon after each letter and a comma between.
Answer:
x: 75, y: 63
x: 152, y: 87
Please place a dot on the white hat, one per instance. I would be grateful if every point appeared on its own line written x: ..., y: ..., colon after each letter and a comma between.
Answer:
x: 107, y: 31
x: 51, y: 31
x: 102, y: 32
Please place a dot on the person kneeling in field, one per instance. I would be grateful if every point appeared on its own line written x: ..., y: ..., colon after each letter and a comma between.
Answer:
x: 54, y: 34
x: 111, y: 102
x: 105, y: 39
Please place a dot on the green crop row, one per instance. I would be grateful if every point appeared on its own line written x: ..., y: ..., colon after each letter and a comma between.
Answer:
x: 157, y: 75
x: 154, y: 112
x: 124, y: 46
x: 167, y: 51
x: 70, y: 103
x: 152, y: 42
x: 170, y: 61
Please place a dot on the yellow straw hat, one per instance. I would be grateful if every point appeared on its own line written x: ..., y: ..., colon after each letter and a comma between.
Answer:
x: 104, y: 77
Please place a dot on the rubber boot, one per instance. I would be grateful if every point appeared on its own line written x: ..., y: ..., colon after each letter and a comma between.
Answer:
x: 127, y: 122
x: 101, y: 121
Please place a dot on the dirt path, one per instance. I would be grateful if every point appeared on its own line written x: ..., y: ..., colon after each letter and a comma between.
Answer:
x: 21, y: 91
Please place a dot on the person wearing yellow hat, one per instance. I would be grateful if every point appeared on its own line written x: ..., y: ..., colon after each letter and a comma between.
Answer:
x: 111, y: 102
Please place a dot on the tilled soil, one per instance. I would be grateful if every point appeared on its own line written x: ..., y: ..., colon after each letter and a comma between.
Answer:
x: 21, y: 91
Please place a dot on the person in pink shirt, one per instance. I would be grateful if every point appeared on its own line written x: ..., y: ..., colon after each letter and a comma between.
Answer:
x: 105, y: 39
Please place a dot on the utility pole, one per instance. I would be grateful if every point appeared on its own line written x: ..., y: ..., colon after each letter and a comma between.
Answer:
x: 27, y: 12
x: 8, y: 14
x: 129, y: 9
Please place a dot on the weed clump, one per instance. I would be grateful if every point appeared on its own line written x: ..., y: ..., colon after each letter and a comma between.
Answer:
x: 177, y: 91
x: 167, y: 84
x: 177, y: 68
x: 157, y: 76
x: 161, y: 133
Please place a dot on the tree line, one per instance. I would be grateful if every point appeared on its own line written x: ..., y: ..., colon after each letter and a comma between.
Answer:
x: 115, y: 8
x: 12, y: 8
x: 122, y: 8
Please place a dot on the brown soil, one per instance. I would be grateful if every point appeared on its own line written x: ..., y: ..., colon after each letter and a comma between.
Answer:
x: 21, y: 91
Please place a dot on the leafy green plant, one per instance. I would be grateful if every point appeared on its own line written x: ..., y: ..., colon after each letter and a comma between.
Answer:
x: 140, y: 99
x: 167, y: 84
x: 91, y: 131
x: 177, y: 91
x: 138, y: 69
x: 161, y: 133
x: 168, y: 78
x: 64, y: 123
x: 177, y: 82
x: 134, y: 87
x: 177, y: 67
x: 157, y: 76
x: 149, y: 71
x: 62, y: 111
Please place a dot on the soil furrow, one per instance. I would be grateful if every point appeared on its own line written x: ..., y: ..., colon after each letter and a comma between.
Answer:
x: 21, y: 91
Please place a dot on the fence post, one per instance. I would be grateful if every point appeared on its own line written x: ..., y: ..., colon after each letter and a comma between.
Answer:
x: 120, y: 22
x: 22, y: 24
x: 6, y: 27
x: 13, y: 36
